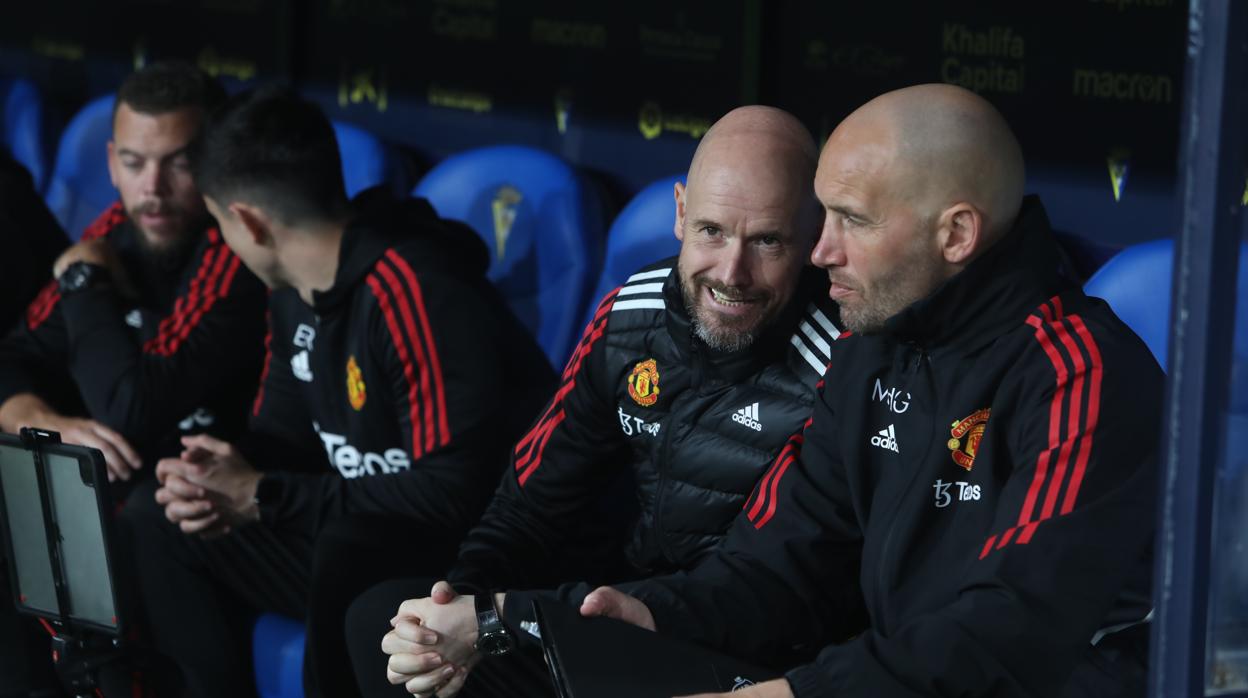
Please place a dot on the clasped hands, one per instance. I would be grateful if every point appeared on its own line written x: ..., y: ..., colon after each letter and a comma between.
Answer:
x: 210, y: 489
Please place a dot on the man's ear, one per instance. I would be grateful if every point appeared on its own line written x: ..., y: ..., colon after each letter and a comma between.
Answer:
x: 679, y: 193
x: 255, y: 221
x: 960, y: 232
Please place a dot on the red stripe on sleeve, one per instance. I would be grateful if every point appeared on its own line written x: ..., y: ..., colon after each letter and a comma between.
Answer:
x: 112, y: 217
x: 425, y: 428
x: 547, y: 429
x: 210, y: 299
x: 987, y: 547
x: 444, y: 430
x: 772, y: 494
x: 1055, y: 418
x: 41, y: 307
x: 183, y: 304
x: 760, y: 493
x: 1094, y: 411
x: 1084, y: 377
x: 268, y: 360
x: 400, y: 348
x: 1073, y: 424
x: 528, y: 452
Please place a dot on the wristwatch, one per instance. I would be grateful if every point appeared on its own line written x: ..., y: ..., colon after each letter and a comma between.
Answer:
x: 80, y: 276
x: 493, y: 639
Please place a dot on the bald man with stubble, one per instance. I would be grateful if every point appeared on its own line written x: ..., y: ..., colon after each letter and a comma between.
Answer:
x: 690, y: 379
x: 985, y: 444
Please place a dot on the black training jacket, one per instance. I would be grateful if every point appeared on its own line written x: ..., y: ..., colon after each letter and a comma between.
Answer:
x: 180, y: 358
x: 695, y: 427
x: 981, y: 474
x: 410, y: 372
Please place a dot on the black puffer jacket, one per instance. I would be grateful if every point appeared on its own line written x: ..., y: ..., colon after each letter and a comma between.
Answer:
x: 697, y: 428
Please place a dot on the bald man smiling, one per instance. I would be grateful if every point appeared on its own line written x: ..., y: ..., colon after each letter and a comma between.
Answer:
x: 986, y: 443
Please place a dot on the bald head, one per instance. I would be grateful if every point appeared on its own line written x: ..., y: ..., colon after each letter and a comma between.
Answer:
x: 917, y: 184
x: 757, y: 136
x: 946, y: 145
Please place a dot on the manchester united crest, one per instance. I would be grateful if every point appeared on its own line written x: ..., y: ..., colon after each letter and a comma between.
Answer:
x: 355, y: 385
x: 965, y: 437
x: 643, y: 383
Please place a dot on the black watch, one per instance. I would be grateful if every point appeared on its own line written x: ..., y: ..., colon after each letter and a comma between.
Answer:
x: 80, y: 276
x: 493, y: 639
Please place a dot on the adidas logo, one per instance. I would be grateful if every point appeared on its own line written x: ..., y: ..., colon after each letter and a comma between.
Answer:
x: 886, y: 439
x: 134, y: 318
x: 299, y: 366
x: 748, y: 417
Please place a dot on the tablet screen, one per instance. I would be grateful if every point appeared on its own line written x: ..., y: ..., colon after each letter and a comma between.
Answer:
x: 89, y: 588
x: 28, y: 539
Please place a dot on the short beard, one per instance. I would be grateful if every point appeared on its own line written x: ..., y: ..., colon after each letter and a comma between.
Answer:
x: 723, y: 339
x: 171, y: 256
x: 906, y: 286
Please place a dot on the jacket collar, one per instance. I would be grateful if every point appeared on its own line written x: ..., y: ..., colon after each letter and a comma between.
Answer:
x: 993, y: 293
x: 769, y: 347
x: 380, y: 222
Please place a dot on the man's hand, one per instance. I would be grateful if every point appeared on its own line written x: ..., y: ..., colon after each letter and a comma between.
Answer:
x: 432, y: 645
x: 613, y: 603
x: 776, y: 688
x: 29, y: 410
x: 101, y: 253
x: 209, y: 489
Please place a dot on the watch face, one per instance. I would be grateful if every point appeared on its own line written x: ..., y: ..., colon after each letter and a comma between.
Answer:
x: 78, y: 276
x: 495, y: 643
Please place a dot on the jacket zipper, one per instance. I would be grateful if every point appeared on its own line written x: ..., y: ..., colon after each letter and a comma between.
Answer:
x: 664, y: 446
x: 877, y: 619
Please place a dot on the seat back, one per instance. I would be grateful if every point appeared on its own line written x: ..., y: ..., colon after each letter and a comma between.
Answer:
x: 277, y: 644
x: 542, y: 224
x: 21, y: 127
x: 642, y: 233
x: 366, y: 160
x: 79, y: 187
x: 1136, y: 283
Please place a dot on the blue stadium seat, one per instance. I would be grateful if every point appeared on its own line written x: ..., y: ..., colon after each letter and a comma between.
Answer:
x: 366, y: 161
x: 542, y: 224
x: 1136, y: 284
x: 21, y: 127
x: 642, y: 233
x: 277, y: 653
x: 79, y: 188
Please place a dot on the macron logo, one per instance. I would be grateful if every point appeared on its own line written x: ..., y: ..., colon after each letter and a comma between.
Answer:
x: 299, y: 366
x: 886, y: 439
x: 748, y: 417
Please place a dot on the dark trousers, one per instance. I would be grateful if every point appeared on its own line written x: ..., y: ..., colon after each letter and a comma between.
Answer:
x: 519, y: 674
x: 199, y: 598
x: 25, y: 652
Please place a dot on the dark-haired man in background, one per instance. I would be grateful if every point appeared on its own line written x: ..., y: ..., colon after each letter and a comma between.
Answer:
x: 389, y: 350
x: 151, y: 329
